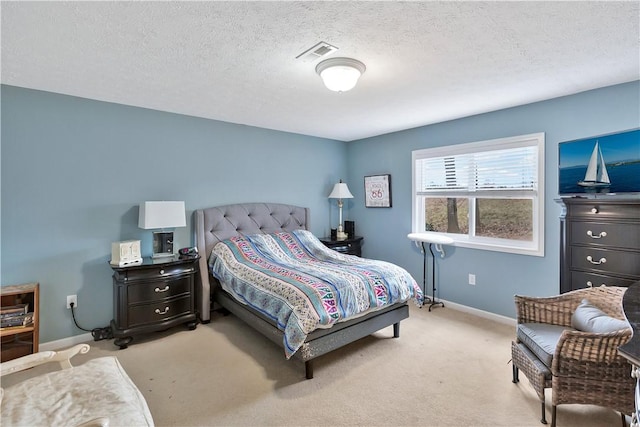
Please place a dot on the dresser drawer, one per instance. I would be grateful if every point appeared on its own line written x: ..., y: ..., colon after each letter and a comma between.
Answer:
x: 158, y: 290
x: 603, y: 209
x: 580, y: 279
x: 619, y: 235
x: 605, y: 260
x: 161, y: 311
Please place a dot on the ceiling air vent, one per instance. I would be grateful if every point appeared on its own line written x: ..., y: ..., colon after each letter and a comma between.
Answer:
x: 316, y: 52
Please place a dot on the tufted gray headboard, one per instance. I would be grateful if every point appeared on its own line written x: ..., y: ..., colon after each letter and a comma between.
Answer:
x: 212, y: 225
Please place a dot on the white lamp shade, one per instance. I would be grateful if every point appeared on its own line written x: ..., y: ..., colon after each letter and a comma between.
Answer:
x: 162, y: 215
x: 340, y: 74
x: 340, y: 191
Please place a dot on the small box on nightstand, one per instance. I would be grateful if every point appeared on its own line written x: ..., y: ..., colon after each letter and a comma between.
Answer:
x: 126, y: 253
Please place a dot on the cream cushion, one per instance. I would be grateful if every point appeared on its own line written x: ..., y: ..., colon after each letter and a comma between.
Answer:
x: 70, y: 397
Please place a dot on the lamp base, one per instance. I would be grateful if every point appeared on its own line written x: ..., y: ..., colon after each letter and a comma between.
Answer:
x: 341, y: 235
x: 162, y: 244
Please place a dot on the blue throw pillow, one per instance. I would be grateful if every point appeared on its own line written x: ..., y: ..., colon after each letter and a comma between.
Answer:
x: 589, y: 318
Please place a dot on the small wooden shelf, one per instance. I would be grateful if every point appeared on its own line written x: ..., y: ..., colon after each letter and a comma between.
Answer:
x: 19, y: 341
x: 15, y: 330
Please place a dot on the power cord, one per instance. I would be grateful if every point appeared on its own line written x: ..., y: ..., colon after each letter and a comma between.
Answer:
x: 97, y: 333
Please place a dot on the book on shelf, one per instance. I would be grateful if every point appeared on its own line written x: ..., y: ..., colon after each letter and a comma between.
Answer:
x: 13, y: 310
x: 21, y: 320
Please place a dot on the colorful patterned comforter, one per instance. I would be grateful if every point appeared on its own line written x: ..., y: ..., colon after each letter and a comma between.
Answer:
x: 299, y: 283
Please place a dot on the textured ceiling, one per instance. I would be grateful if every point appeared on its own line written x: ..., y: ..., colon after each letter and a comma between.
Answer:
x: 427, y: 62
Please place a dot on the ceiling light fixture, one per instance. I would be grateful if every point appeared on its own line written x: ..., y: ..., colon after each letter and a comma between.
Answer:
x: 340, y: 74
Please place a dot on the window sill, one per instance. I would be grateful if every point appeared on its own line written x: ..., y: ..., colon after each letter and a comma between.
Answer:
x: 445, y: 239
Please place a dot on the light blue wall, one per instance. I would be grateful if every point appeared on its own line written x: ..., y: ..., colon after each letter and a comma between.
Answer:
x: 74, y: 171
x: 498, y: 275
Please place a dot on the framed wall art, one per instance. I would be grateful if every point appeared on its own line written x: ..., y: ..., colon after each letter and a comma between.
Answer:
x: 600, y: 165
x: 377, y: 191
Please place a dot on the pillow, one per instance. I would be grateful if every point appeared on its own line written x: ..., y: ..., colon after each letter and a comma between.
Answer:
x: 589, y: 318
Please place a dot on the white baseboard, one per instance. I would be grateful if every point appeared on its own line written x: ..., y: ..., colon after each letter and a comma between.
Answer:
x: 481, y: 313
x: 65, y: 342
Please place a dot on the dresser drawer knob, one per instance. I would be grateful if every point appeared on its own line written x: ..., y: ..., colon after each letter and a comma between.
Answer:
x: 600, y: 261
x: 161, y: 271
x: 165, y: 311
x: 599, y: 236
x: 594, y: 210
x: 165, y: 289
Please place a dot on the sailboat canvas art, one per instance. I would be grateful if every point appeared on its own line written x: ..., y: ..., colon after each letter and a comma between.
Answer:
x: 596, y: 175
x: 606, y: 164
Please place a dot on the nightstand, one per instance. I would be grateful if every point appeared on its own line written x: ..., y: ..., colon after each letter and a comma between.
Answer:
x: 153, y: 296
x: 350, y: 246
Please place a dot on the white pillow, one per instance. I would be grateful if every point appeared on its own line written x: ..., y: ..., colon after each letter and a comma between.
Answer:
x: 589, y: 318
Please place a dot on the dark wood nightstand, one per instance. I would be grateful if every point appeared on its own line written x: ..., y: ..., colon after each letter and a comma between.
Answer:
x: 350, y: 246
x: 153, y: 296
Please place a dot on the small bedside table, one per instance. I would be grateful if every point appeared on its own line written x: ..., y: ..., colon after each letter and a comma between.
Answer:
x: 153, y: 296
x: 350, y: 246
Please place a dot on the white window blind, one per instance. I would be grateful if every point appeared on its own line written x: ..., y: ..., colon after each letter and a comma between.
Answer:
x: 495, y: 170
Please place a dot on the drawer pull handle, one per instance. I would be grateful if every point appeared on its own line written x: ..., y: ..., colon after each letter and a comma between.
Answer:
x: 601, y: 261
x: 165, y: 311
x: 165, y: 289
x: 590, y: 284
x: 161, y: 271
x: 599, y: 236
x: 594, y: 210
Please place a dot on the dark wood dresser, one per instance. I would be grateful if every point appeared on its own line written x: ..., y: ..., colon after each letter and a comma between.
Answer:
x: 599, y: 242
x: 153, y: 296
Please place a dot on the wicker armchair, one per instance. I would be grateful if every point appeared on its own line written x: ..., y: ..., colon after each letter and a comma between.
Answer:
x: 585, y: 367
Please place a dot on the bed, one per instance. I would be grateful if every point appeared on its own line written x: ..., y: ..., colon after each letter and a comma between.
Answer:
x: 244, y: 227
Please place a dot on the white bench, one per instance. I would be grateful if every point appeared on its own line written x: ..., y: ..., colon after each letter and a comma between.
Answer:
x: 96, y: 393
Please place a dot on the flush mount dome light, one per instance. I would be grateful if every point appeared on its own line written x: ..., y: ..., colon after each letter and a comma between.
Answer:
x: 340, y: 74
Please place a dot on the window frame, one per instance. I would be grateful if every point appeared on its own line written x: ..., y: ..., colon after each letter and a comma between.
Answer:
x: 535, y: 247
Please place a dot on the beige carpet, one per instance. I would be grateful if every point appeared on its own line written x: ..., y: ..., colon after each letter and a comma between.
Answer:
x: 448, y: 368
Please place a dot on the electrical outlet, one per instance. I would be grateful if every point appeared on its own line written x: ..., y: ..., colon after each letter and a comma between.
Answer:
x: 72, y: 299
x: 472, y: 279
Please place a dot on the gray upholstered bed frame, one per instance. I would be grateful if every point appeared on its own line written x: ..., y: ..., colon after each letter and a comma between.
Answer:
x: 212, y: 225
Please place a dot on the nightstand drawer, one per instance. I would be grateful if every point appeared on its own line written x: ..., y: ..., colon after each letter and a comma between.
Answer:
x: 153, y: 272
x: 159, y: 311
x: 620, y: 235
x: 343, y: 247
x: 604, y: 260
x: 350, y: 246
x: 159, y: 290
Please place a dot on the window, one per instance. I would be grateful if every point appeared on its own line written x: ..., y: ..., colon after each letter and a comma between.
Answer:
x: 486, y: 195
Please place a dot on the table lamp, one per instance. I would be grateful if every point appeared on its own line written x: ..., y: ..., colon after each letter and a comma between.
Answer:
x: 340, y: 191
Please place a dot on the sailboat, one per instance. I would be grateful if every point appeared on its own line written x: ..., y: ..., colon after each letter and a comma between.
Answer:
x: 596, y: 176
